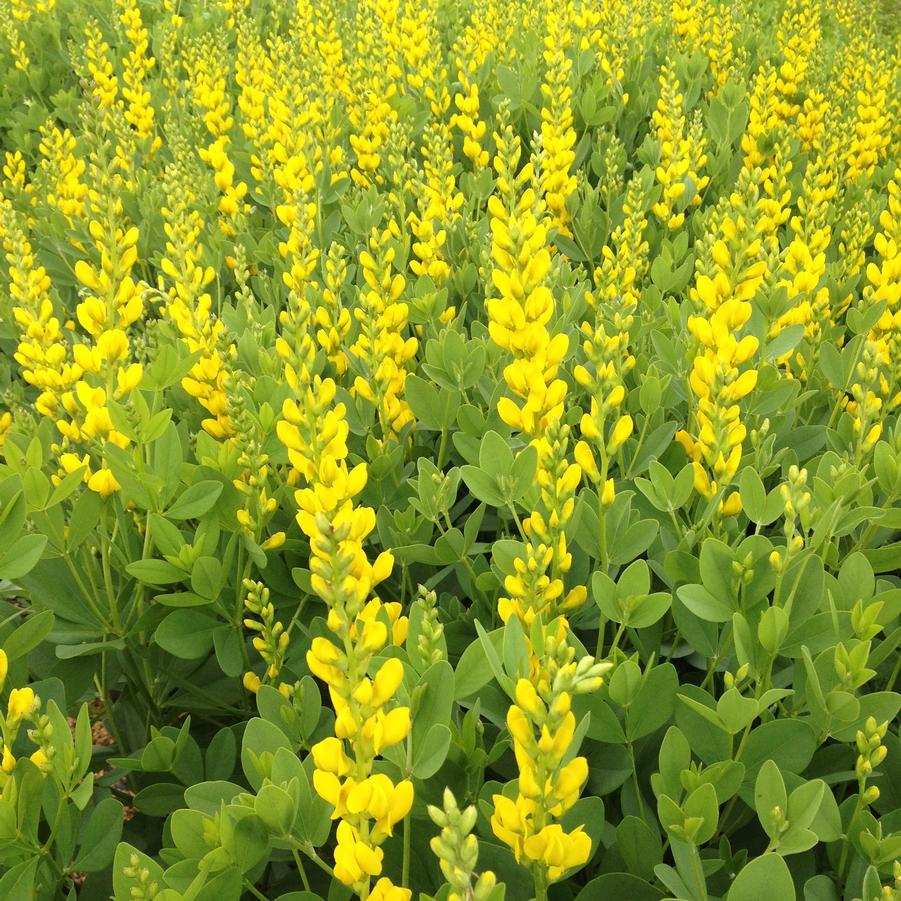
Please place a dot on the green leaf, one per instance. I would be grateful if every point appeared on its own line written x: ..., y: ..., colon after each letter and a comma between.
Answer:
x: 482, y: 485
x: 494, y: 661
x: 100, y: 837
x: 12, y: 516
x: 765, y: 878
x: 753, y: 494
x: 182, y: 599
x: 88, y: 648
x: 28, y: 635
x: 155, y: 572
x: 769, y: 793
x: 639, y: 845
x: 619, y: 886
x: 434, y: 700
x: 430, y: 753
x: 473, y: 671
x: 704, y: 605
x: 790, y: 743
x: 248, y: 843
x: 495, y: 456
x: 654, y: 704
x: 19, y: 880
x: 196, y: 500
x: 207, y: 577
x: 515, y: 649
x: 22, y: 557
x: 187, y: 633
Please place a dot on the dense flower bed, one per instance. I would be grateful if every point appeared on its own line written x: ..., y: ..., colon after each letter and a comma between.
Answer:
x: 450, y: 450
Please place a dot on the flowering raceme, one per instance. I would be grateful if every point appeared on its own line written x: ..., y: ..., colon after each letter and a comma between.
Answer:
x: 718, y: 385
x: 540, y: 722
x: 542, y: 725
x: 381, y: 346
x: 558, y: 137
x: 189, y: 305
x: 42, y: 351
x: 367, y: 804
x: 681, y: 153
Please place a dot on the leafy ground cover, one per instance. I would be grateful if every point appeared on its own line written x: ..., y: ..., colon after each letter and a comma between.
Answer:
x: 450, y: 450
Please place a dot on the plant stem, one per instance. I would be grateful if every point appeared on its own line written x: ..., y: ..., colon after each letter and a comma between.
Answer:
x: 254, y: 890
x: 301, y: 870
x: 442, y: 448
x: 846, y: 843
x: 540, y: 876
x: 699, y: 872
x: 408, y: 831
x: 310, y: 851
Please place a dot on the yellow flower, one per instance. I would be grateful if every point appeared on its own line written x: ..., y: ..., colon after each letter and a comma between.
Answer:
x: 621, y: 432
x: 4, y: 667
x: 22, y: 702
x: 585, y: 458
x: 557, y: 849
x: 731, y: 506
x: 274, y: 541
x: 41, y: 761
x: 355, y: 860
x: 386, y: 890
x: 329, y: 756
x: 509, y: 821
x: 103, y: 482
x: 608, y: 495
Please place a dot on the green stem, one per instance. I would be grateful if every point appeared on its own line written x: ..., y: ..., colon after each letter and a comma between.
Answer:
x: 254, y: 890
x: 616, y: 638
x: 540, y: 876
x: 846, y: 843
x: 635, y: 781
x: 518, y: 521
x: 894, y: 676
x: 699, y: 872
x: 60, y: 810
x: 310, y: 851
x: 100, y: 685
x: 108, y: 580
x: 301, y: 870
x: 442, y: 448
x: 405, y: 869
